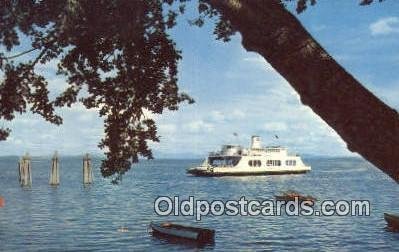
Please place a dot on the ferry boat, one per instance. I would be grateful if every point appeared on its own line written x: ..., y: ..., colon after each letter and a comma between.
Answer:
x: 233, y: 160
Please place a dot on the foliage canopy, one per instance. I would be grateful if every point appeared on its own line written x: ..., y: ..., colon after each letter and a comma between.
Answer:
x: 116, y: 55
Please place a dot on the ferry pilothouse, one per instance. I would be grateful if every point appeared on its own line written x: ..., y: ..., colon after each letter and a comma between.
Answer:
x: 233, y: 160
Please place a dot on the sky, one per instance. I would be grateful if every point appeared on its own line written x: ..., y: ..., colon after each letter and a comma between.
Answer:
x: 238, y: 91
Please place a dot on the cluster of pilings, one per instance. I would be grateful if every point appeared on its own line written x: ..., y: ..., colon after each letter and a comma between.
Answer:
x: 25, y: 170
x: 54, y: 176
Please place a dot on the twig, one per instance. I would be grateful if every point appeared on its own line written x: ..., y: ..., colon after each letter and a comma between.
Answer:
x: 39, y: 57
x: 20, y: 54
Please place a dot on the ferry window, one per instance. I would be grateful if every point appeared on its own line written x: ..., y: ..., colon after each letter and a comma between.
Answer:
x: 287, y: 162
x: 250, y: 162
x: 294, y: 162
x: 278, y: 163
x: 269, y: 162
x: 223, y: 161
x: 259, y: 163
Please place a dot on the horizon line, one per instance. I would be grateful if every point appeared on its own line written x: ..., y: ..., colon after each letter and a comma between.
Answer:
x: 164, y: 156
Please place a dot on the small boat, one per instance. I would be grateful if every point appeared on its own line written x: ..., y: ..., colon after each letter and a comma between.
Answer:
x: 292, y: 195
x: 185, y: 232
x: 392, y: 221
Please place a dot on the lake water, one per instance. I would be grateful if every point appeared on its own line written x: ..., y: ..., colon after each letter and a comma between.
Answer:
x: 76, y: 218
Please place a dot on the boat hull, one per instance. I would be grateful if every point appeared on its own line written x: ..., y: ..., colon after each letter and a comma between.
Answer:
x: 176, y: 233
x: 208, y: 173
x: 184, y: 232
x: 392, y: 220
x: 299, y: 198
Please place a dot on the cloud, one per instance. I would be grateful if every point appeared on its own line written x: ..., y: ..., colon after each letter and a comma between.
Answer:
x: 259, y: 61
x: 56, y: 86
x: 199, y: 126
x: 217, y: 115
x: 238, y: 114
x: 167, y: 129
x: 385, y: 26
x: 15, y: 141
x: 275, y: 126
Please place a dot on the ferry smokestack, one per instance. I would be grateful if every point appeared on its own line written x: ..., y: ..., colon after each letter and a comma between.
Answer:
x: 256, y: 142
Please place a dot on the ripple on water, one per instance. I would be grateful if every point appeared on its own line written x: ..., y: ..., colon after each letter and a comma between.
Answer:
x: 77, y: 218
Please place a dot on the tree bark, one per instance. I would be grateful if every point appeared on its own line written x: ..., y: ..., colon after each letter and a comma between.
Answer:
x: 365, y: 123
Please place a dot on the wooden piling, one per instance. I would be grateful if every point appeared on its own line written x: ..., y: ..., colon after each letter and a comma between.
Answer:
x: 54, y: 177
x: 87, y: 170
x: 25, y: 170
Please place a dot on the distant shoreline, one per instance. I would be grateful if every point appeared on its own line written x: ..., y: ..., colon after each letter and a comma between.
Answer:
x: 173, y: 157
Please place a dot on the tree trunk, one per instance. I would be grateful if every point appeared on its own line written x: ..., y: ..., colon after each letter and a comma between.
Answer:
x: 366, y: 124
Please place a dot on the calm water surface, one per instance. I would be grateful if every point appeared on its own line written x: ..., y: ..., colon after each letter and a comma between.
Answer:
x: 76, y: 218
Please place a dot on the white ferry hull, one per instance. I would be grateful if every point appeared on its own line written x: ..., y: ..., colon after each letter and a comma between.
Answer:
x: 199, y: 171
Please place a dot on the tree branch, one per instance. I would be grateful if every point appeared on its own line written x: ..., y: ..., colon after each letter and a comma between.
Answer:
x: 20, y: 54
x: 39, y: 57
x: 363, y: 121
